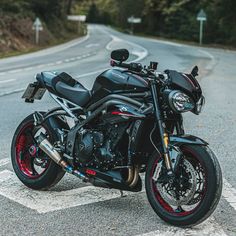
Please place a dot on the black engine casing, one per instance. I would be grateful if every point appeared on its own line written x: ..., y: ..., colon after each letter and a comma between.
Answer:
x: 98, y: 148
x: 87, y: 144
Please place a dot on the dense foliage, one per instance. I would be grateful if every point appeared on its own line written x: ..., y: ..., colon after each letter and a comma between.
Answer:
x: 17, y: 17
x: 166, y: 18
x: 52, y: 12
x: 170, y: 18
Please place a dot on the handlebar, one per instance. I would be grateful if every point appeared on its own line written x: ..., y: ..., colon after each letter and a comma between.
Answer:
x: 136, y: 67
x: 142, y: 71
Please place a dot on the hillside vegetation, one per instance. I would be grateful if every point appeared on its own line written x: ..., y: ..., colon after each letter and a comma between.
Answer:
x: 174, y: 19
x: 170, y: 18
x: 17, y: 17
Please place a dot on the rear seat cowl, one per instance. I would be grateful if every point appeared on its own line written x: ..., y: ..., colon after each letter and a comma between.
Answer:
x: 65, y: 78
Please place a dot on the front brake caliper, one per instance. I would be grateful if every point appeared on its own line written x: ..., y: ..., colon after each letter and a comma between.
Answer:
x: 175, y: 156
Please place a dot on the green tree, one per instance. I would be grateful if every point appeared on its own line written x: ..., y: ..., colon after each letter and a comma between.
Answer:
x: 170, y: 18
x: 93, y: 14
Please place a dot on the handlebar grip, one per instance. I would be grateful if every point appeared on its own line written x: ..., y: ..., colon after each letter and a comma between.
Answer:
x: 137, y: 67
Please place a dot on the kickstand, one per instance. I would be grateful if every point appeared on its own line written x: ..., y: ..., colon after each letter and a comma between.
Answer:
x: 122, y: 193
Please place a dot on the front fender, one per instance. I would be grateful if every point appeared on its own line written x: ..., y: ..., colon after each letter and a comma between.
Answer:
x: 186, y: 139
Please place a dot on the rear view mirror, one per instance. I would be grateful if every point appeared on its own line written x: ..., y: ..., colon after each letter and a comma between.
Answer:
x: 194, y: 72
x: 120, y: 55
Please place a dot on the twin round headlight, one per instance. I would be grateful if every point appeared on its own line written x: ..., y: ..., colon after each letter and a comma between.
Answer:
x: 180, y: 102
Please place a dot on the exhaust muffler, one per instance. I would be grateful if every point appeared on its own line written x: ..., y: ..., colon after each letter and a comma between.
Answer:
x: 48, y: 148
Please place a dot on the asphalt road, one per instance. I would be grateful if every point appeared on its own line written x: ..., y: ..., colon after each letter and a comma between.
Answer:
x: 72, y: 209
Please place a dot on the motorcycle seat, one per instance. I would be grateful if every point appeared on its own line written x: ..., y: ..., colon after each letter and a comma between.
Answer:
x: 65, y: 86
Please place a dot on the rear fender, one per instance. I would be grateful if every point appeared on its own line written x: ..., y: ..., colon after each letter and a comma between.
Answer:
x: 55, y: 124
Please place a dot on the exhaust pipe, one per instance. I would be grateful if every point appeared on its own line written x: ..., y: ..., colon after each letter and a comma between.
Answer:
x: 47, y: 147
x: 133, y: 176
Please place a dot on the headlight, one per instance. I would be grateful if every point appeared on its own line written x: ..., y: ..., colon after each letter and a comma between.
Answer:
x: 180, y: 102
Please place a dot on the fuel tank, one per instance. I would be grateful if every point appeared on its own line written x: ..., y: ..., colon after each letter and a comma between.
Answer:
x: 115, y: 81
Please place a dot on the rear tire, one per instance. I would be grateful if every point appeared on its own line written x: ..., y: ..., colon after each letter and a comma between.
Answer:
x: 49, y: 177
x: 209, y: 200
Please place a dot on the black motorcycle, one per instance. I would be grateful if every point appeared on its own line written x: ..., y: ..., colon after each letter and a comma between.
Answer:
x: 129, y: 123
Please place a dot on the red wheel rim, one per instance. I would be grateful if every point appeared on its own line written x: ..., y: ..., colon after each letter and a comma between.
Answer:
x: 167, y: 207
x: 24, y: 158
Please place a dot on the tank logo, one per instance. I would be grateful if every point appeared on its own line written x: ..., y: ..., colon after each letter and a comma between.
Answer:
x: 122, y: 109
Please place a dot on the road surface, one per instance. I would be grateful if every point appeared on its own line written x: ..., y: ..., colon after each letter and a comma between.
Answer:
x: 71, y: 208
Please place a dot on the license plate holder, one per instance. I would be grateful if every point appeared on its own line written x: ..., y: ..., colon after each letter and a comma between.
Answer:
x: 33, y: 91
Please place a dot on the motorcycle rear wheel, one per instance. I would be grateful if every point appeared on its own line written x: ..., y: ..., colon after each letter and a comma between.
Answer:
x: 208, y: 185
x: 31, y: 165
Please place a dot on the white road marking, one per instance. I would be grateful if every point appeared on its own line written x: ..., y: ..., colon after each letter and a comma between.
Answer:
x: 78, y: 77
x: 41, y: 66
x: 12, y: 91
x: 49, y: 64
x: 7, y: 81
x: 92, y: 45
x: 58, y: 62
x: 213, y: 62
x: 15, y: 71
x: 165, y: 42
x: 137, y: 50
x: 229, y: 193
x: 49, y: 51
x: 71, y: 59
x: 47, y: 201
x: 90, y: 73
x: 4, y: 161
x: 208, y: 228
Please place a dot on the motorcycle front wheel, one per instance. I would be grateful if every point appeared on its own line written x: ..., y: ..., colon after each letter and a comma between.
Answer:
x: 193, y: 194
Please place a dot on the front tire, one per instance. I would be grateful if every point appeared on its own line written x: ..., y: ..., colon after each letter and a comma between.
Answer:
x: 203, y: 201
x: 33, y: 167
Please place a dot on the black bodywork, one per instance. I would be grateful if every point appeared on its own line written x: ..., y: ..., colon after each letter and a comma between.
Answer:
x: 126, y: 108
x: 117, y: 81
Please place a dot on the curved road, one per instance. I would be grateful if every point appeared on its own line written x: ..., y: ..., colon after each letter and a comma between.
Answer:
x: 72, y: 208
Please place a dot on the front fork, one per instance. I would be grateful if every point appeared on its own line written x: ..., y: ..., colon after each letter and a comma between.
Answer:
x: 161, y: 125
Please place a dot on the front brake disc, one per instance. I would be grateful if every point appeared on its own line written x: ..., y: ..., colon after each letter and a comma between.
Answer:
x: 168, y: 191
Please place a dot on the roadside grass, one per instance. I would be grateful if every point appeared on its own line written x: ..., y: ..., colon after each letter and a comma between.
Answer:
x: 33, y: 48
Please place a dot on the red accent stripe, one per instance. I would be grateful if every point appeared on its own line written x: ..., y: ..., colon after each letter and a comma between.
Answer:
x: 91, y: 172
x: 121, y: 113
